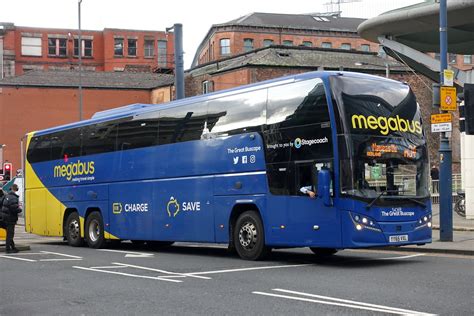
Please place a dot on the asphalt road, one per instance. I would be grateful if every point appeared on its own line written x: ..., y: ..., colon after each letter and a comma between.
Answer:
x: 189, y: 279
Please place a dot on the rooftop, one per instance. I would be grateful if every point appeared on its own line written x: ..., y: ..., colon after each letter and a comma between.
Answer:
x: 97, y: 80
x: 301, y: 57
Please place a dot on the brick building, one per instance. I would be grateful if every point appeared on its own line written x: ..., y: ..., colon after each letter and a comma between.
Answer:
x: 257, y: 30
x: 40, y: 99
x: 32, y: 48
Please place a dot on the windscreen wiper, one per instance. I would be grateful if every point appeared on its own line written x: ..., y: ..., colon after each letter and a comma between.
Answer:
x: 416, y: 201
x: 378, y: 197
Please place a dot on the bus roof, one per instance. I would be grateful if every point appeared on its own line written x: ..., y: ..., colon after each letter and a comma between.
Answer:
x: 139, y: 108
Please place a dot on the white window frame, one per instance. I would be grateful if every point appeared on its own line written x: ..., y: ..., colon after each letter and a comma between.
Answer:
x: 224, y: 44
x: 31, y: 46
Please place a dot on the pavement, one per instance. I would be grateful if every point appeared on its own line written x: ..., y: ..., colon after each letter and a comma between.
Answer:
x: 462, y: 242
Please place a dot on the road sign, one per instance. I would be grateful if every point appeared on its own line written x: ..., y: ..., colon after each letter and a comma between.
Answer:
x: 441, y: 122
x: 448, y: 77
x: 448, y: 99
x: 441, y: 127
x: 441, y: 118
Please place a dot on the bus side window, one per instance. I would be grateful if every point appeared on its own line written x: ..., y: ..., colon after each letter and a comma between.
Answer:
x: 281, y: 178
x: 182, y: 124
x: 305, y: 178
x: 138, y: 132
x: 235, y: 114
x: 99, y: 138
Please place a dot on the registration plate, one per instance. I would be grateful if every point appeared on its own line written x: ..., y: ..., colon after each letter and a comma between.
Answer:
x: 398, y: 238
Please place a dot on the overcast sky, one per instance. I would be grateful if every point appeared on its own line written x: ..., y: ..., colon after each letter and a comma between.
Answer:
x: 196, y: 16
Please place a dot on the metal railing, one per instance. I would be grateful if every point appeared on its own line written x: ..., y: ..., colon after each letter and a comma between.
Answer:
x: 434, y: 188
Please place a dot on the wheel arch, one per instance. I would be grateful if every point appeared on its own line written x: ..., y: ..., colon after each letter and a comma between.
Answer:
x: 237, y: 210
x: 68, y: 211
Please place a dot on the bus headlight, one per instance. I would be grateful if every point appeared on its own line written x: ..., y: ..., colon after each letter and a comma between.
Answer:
x: 364, y: 222
x: 424, y: 221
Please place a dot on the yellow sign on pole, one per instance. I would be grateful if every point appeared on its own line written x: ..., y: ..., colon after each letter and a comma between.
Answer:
x: 448, y: 77
x: 448, y: 99
x: 441, y: 118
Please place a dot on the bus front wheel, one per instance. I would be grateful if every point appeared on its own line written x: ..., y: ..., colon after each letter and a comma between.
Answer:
x: 249, y: 238
x: 94, y: 230
x: 73, y: 230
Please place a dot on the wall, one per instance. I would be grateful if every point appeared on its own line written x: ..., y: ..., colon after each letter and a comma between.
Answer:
x: 24, y: 110
x: 208, y: 53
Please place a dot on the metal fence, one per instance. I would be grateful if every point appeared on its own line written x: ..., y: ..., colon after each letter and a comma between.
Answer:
x: 434, y: 188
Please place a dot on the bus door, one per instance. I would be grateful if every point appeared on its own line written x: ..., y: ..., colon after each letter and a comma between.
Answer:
x: 318, y: 222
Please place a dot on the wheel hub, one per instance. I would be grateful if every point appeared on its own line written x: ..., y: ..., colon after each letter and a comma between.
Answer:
x: 74, y: 230
x: 94, y: 230
x: 248, y: 235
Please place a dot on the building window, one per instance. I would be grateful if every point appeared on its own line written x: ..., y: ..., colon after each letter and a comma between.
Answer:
x: 381, y: 52
x: 118, y: 47
x: 248, y: 44
x: 287, y: 43
x: 225, y: 46
x: 365, y: 47
x: 162, y: 53
x: 206, y: 86
x: 307, y: 44
x: 452, y: 58
x: 346, y: 46
x: 267, y: 42
x: 326, y: 45
x: 468, y: 59
x: 132, y: 47
x: 56, y: 46
x: 86, y: 48
x: 31, y: 46
x: 149, y: 48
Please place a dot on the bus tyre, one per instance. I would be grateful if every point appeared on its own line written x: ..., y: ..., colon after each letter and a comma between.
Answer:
x: 323, y: 252
x: 94, y: 230
x: 249, y: 237
x: 73, y: 230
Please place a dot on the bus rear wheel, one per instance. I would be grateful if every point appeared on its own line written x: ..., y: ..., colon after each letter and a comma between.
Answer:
x: 249, y: 238
x: 323, y: 252
x: 94, y: 230
x: 73, y: 230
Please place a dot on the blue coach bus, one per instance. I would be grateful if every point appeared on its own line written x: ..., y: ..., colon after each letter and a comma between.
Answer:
x: 229, y: 167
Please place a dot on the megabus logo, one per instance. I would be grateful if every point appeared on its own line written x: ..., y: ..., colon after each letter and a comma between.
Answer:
x: 386, y: 125
x: 73, y: 169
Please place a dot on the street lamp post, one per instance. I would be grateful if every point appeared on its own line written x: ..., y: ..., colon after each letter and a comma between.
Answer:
x: 79, y: 47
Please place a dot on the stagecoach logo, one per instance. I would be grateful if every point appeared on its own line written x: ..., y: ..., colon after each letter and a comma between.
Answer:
x: 173, y: 207
x: 71, y: 170
x: 309, y: 142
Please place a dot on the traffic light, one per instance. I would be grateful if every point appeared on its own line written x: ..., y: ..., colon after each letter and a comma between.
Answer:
x: 7, y: 170
x: 469, y: 108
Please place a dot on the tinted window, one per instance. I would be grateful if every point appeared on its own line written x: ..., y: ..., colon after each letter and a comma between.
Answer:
x: 39, y: 149
x: 99, y: 138
x: 66, y: 144
x: 297, y: 104
x: 236, y: 114
x: 182, y: 124
x: 139, y: 131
